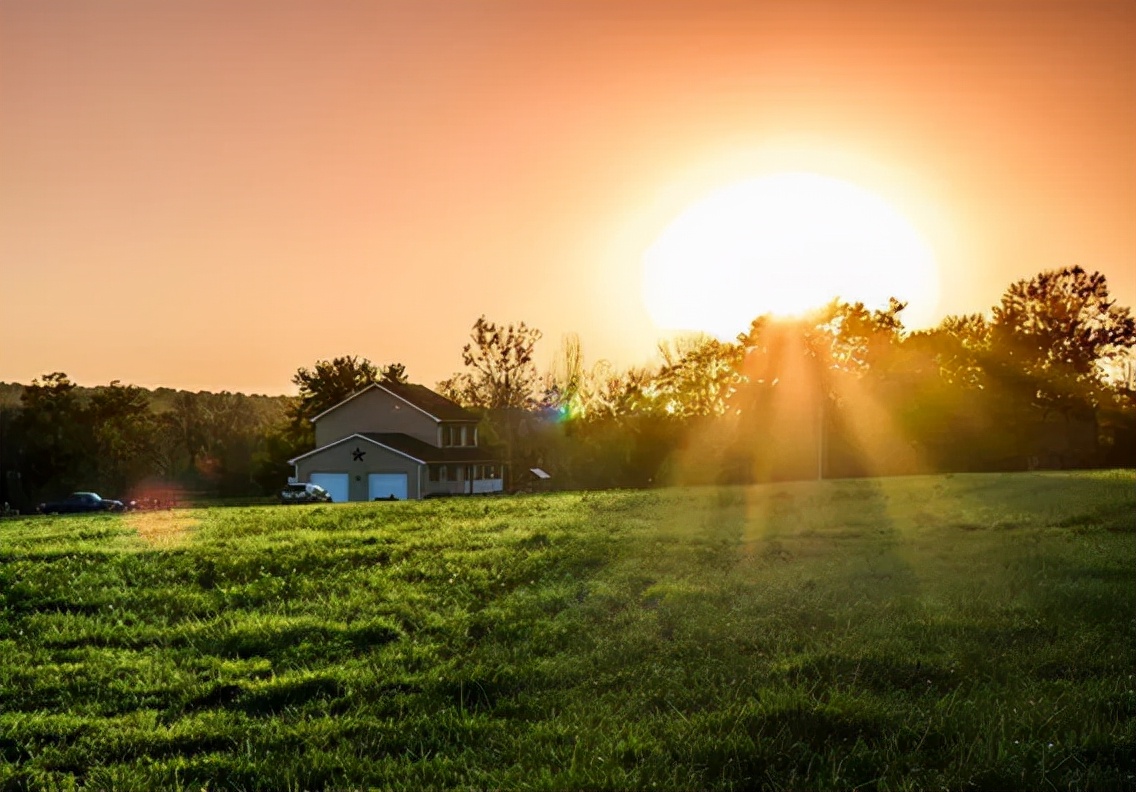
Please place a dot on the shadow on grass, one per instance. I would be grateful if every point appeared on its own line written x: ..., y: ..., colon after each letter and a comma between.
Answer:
x: 885, y: 676
x: 295, y: 640
x: 805, y: 744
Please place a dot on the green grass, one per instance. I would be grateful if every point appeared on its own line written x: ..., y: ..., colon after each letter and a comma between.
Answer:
x: 957, y: 632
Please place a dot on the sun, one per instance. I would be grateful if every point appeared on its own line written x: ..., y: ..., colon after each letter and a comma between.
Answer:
x: 784, y: 244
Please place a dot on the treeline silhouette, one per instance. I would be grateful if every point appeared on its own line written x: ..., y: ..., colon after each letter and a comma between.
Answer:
x: 1044, y: 380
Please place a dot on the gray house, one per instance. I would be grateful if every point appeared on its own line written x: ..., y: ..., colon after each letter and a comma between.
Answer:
x: 400, y: 441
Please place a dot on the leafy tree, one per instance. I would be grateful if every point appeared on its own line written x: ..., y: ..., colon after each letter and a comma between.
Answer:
x: 123, y: 430
x: 1059, y: 329
x: 1053, y: 338
x: 957, y: 349
x: 331, y: 381
x: 321, y: 387
x: 500, y: 372
x: 52, y: 435
x: 850, y: 337
x: 785, y: 369
x: 232, y: 431
x: 183, y: 432
x: 500, y: 379
x: 394, y: 373
x: 278, y: 443
x: 11, y: 491
x: 698, y: 377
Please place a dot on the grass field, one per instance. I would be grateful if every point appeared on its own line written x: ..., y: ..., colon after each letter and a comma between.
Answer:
x: 954, y: 632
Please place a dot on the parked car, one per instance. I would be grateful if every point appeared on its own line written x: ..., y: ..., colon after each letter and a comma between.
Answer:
x: 304, y: 493
x: 81, y: 502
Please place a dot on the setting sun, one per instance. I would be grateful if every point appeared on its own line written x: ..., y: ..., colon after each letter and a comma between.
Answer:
x: 784, y: 244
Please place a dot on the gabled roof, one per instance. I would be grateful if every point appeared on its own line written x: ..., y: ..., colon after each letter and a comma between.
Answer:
x: 421, y: 398
x: 412, y: 448
x: 424, y: 452
x: 431, y: 403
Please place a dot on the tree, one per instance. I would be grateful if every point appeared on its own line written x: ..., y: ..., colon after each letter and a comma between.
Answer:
x: 331, y: 381
x: 500, y: 372
x: 957, y: 348
x: 698, y: 377
x: 854, y: 339
x: 321, y: 387
x: 52, y: 434
x: 394, y: 374
x: 1059, y: 329
x: 123, y: 429
x: 183, y: 432
x: 565, y: 384
x: 232, y: 431
x: 500, y: 378
x: 786, y: 367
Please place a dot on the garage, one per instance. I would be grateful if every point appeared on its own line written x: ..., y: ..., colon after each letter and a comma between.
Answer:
x: 337, y: 485
x: 385, y: 485
x: 363, y: 467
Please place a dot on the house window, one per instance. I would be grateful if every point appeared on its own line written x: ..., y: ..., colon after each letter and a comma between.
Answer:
x: 459, y: 435
x: 490, y: 471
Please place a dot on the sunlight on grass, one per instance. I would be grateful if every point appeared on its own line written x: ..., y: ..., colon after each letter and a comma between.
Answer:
x: 163, y: 529
x: 970, y: 631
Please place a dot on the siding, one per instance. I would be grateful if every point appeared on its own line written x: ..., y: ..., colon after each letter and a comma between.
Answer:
x: 375, y: 411
x: 341, y: 459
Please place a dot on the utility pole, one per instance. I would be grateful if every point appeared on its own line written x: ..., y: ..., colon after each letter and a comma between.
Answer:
x: 820, y: 438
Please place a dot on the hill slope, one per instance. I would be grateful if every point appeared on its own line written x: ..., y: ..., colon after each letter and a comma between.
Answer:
x: 958, y: 632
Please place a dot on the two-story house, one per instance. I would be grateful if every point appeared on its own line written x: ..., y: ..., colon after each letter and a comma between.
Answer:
x: 398, y: 440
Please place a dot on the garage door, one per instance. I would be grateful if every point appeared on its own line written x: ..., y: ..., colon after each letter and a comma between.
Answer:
x: 334, y: 483
x: 383, y: 485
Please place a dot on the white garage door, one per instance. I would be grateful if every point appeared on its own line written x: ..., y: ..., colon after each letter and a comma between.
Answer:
x: 383, y: 485
x: 334, y: 483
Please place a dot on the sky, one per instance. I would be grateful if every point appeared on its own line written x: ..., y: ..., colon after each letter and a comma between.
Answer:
x: 210, y: 195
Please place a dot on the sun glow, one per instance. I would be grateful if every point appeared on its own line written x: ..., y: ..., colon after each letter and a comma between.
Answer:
x: 784, y: 244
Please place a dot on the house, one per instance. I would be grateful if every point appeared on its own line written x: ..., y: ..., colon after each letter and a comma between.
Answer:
x: 395, y: 440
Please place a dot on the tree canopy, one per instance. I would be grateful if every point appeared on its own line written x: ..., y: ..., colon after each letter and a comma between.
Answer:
x: 499, y: 368
x: 1045, y: 378
x: 1059, y: 329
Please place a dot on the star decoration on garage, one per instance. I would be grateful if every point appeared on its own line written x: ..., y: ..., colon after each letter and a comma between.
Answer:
x: 358, y: 454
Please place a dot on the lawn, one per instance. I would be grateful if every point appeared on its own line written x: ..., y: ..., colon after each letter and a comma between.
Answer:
x: 939, y: 632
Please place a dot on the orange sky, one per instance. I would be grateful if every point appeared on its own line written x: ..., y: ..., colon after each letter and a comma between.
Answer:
x: 210, y: 195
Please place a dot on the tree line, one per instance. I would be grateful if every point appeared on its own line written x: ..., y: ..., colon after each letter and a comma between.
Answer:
x: 1045, y: 379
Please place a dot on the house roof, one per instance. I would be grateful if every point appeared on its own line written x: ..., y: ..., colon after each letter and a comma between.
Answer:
x: 413, y: 448
x: 429, y: 402
x: 420, y: 397
x: 424, y: 452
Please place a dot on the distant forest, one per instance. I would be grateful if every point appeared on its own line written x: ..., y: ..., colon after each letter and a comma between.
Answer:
x: 1045, y: 379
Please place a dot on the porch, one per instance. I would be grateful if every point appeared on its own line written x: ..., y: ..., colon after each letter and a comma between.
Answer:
x: 462, y: 479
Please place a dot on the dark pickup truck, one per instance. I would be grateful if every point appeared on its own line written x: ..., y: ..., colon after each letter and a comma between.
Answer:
x: 79, y: 502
